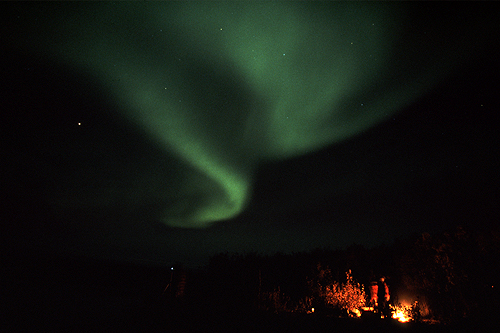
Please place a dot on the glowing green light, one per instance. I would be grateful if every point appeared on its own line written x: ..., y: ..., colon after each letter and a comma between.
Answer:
x: 317, y: 74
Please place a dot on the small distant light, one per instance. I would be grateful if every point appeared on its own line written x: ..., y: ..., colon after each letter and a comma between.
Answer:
x: 79, y: 124
x: 171, y: 268
x: 312, y: 309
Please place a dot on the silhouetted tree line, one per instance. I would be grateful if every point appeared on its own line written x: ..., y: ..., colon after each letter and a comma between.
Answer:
x: 452, y: 273
x: 455, y: 271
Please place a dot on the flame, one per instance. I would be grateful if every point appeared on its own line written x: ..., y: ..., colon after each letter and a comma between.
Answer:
x: 400, y: 316
x: 354, y: 312
x: 402, y: 313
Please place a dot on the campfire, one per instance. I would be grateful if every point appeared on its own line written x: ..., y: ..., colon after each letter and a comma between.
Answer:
x: 404, y: 312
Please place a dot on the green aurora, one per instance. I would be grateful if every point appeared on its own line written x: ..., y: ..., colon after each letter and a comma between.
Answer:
x: 225, y: 87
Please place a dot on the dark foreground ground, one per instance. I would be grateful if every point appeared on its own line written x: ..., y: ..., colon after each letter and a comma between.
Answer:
x: 63, y: 313
x: 67, y: 295
x: 140, y: 320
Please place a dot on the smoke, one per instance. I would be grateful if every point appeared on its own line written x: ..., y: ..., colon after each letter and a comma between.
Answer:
x: 225, y: 87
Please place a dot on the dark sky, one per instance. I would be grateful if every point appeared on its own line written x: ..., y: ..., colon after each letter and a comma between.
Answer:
x: 170, y: 132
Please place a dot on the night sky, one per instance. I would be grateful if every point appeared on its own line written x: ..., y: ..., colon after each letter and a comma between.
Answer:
x: 163, y: 132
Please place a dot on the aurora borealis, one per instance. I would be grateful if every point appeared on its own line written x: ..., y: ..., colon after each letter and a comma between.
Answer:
x: 174, y: 109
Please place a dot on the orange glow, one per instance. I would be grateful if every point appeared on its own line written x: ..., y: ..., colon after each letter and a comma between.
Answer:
x: 349, y: 296
x: 355, y: 312
x: 402, y: 313
x: 400, y: 316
